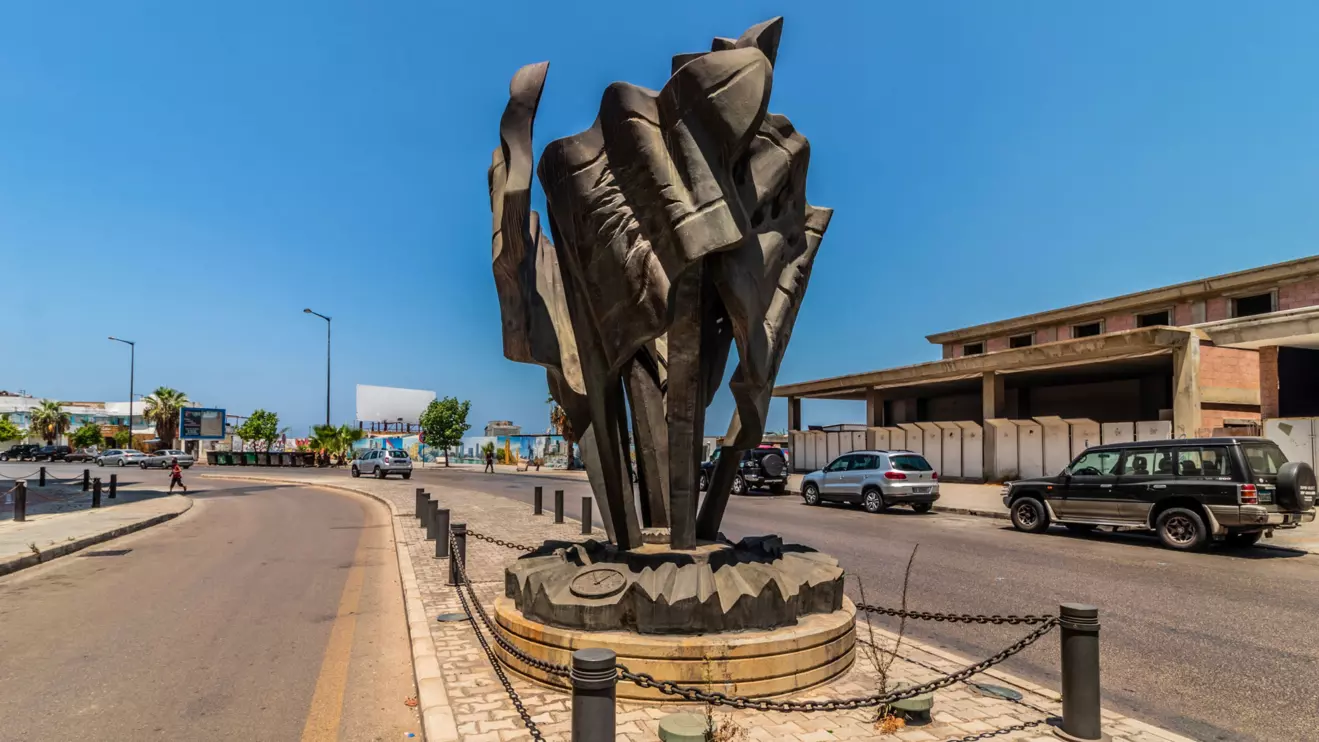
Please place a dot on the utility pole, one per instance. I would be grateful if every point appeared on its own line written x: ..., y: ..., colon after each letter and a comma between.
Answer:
x: 327, y: 363
x: 132, y: 363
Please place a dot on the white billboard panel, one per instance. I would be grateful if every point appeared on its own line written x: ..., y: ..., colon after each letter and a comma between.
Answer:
x: 387, y: 404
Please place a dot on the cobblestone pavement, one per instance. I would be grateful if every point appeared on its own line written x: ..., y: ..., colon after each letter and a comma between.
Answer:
x: 482, y: 712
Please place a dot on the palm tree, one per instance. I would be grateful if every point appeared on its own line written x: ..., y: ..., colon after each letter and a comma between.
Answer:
x: 348, y: 435
x: 162, y: 409
x: 49, y: 421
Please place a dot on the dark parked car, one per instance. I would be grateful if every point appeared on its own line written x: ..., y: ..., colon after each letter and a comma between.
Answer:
x: 51, y: 453
x: 81, y: 454
x: 20, y: 452
x: 761, y: 468
x: 1189, y: 491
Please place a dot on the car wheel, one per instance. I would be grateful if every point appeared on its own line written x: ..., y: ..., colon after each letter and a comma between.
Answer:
x: 407, y: 475
x: 3, y: 457
x: 380, y: 473
x: 739, y: 485
x: 1243, y: 540
x: 143, y: 465
x: 811, y: 494
x: 922, y: 507
x: 121, y: 462
x: 1182, y: 529
x: 1029, y: 515
x: 704, y: 483
x: 872, y: 501
x: 99, y: 462
x: 356, y: 473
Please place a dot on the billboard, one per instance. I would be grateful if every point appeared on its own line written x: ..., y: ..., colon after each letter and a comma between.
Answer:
x: 387, y: 404
x: 201, y: 424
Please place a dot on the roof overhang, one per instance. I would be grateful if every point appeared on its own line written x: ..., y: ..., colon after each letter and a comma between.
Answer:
x: 1296, y: 328
x: 1149, y: 341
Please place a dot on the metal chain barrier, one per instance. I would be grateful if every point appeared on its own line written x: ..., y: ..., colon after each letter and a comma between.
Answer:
x: 499, y: 542
x: 955, y: 617
x: 998, y: 732
x: 26, y: 476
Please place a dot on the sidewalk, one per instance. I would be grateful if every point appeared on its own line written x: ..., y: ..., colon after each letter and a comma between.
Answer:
x: 462, y: 699
x: 45, y: 536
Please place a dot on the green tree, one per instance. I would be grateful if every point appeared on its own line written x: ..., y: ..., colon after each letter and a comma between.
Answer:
x: 261, y: 426
x: 49, y: 421
x: 348, y: 435
x: 162, y: 409
x: 123, y: 439
x: 87, y: 436
x: 444, y: 422
x: 9, y: 431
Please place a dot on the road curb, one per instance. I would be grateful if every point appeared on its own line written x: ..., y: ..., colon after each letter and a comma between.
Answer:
x: 9, y: 566
x: 437, y: 719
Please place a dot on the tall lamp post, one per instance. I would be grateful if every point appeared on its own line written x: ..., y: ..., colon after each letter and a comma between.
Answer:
x: 327, y: 363
x: 132, y: 362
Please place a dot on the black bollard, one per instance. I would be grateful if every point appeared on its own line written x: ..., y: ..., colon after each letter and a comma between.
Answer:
x: 86, y: 479
x: 421, y: 498
x: 41, y: 481
x: 1080, y: 660
x: 441, y: 516
x: 558, y: 506
x: 537, y: 506
x: 594, y: 686
x: 586, y: 516
x: 114, y: 485
x: 433, y: 532
x: 459, y: 531
x: 96, y: 492
x: 20, y: 500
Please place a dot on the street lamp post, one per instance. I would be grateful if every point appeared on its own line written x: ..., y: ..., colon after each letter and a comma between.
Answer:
x: 132, y: 363
x: 327, y: 363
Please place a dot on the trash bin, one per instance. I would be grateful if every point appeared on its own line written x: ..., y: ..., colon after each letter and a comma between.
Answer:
x: 211, y: 458
x: 249, y: 458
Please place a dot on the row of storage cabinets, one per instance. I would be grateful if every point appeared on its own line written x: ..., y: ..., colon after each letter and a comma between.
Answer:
x: 999, y: 450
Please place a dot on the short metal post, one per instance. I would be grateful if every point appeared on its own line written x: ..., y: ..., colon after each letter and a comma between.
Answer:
x: 537, y: 505
x: 459, y: 531
x: 41, y: 481
x: 96, y: 492
x: 586, y: 516
x: 558, y: 506
x: 86, y: 479
x: 1080, y: 670
x: 433, y: 532
x: 114, y: 485
x: 421, y: 498
x: 441, y: 516
x: 20, y: 500
x: 594, y: 686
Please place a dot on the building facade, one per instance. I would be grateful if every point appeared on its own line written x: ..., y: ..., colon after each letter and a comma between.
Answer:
x: 112, y: 417
x: 502, y: 427
x: 1209, y: 356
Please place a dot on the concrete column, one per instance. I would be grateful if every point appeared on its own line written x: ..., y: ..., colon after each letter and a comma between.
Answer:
x: 874, y: 408
x: 1268, y: 382
x: 1186, y: 389
x: 992, y: 395
x: 794, y: 413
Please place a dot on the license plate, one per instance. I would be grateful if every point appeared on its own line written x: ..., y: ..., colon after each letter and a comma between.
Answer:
x: 920, y: 490
x: 1265, y: 495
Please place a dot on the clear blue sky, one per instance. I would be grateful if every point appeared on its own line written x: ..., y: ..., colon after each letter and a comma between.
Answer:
x: 192, y: 174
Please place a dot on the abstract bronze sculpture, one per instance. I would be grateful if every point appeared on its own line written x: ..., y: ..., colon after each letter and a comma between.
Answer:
x: 680, y: 226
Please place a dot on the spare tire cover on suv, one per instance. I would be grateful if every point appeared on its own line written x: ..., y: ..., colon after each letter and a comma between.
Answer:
x: 772, y: 464
x: 1296, y: 486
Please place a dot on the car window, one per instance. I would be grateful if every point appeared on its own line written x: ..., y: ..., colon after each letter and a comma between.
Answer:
x: 1147, y: 462
x: 910, y: 462
x: 839, y: 464
x: 1265, y: 458
x: 1204, y: 462
x: 1096, y: 463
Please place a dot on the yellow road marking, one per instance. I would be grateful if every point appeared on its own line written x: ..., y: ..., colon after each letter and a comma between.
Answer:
x: 327, y: 702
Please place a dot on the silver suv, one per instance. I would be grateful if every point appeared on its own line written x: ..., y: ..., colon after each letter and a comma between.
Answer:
x: 876, y: 479
x: 383, y: 463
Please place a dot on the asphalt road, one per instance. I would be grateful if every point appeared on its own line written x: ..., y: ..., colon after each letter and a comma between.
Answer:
x: 264, y: 613
x: 1215, y: 646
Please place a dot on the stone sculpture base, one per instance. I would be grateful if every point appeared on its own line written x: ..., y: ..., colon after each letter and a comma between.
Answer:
x: 819, y: 648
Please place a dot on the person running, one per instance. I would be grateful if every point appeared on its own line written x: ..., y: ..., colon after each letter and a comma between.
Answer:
x: 490, y: 461
x: 176, y: 476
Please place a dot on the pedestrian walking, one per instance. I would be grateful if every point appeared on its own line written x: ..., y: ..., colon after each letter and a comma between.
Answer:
x: 176, y: 476
x: 490, y: 461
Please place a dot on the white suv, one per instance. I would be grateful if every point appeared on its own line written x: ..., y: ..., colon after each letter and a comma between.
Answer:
x: 383, y: 463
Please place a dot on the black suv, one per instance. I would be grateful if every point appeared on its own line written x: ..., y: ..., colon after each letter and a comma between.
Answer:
x: 763, y: 468
x: 19, y: 452
x: 1189, y: 490
x: 51, y: 453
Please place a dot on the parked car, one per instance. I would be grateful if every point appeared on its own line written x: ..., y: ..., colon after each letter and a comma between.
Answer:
x: 51, y: 453
x: 761, y: 468
x: 383, y: 463
x: 876, y: 480
x: 165, y: 458
x: 80, y: 455
x: 119, y: 457
x: 19, y: 452
x: 1190, y: 491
